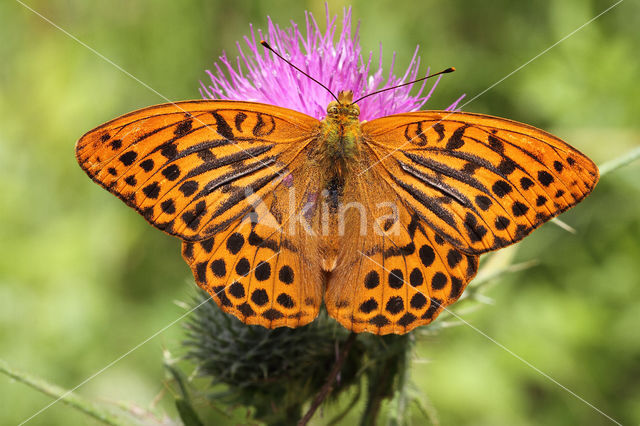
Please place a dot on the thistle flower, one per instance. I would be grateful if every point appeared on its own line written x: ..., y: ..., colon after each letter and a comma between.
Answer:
x: 339, y: 65
x: 278, y: 371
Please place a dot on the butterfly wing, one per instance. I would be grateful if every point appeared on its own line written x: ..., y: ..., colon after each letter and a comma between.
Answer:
x: 480, y: 182
x: 187, y: 167
x: 462, y: 184
x: 217, y: 174
x: 393, y: 272
x: 264, y: 268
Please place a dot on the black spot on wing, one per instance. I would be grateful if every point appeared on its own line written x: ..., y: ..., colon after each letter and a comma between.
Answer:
x: 501, y: 188
x: 240, y: 117
x: 507, y: 166
x: 368, y: 306
x: 168, y: 206
x: 439, y: 128
x: 147, y: 165
x: 418, y: 301
x: 193, y: 217
x: 394, y: 305
x: 152, y: 190
x: 496, y: 144
x: 262, y: 127
x: 171, y: 172
x: 483, y: 202
x: 128, y: 158
x: 372, y: 280
x: 183, y: 128
x: 379, y: 321
x: 237, y: 290
x: 188, y: 188
x: 545, y: 178
x: 222, y: 127
x: 475, y: 231
x: 526, y: 183
x: 455, y: 141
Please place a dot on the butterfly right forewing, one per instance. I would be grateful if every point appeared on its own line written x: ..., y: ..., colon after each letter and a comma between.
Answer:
x: 481, y: 182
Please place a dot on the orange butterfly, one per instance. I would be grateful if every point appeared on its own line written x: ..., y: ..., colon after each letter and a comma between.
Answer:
x: 383, y: 219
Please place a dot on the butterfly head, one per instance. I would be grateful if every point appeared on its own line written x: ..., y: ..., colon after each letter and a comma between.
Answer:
x: 343, y: 109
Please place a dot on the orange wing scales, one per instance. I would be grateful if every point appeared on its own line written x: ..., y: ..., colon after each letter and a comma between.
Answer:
x: 188, y: 167
x: 257, y: 201
x: 401, y: 282
x: 252, y: 273
x: 481, y: 182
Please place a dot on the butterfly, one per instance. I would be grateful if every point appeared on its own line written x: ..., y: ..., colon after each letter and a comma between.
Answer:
x: 382, y: 220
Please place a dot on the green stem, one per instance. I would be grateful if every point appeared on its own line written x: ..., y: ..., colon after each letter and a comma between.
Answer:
x: 400, y: 406
x: 375, y: 397
x: 340, y: 416
x: 621, y: 161
x: 56, y: 392
x: 386, y: 374
x: 328, y: 386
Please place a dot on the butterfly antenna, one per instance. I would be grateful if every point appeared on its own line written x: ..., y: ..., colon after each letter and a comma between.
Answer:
x: 448, y: 70
x: 265, y: 44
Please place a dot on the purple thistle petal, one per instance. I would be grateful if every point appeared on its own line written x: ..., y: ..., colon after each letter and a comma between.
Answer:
x: 454, y: 106
x: 260, y: 76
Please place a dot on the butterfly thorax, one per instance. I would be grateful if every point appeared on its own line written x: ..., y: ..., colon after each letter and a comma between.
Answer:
x: 340, y: 133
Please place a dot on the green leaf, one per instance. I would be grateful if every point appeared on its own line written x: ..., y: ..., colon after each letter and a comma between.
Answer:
x: 187, y: 414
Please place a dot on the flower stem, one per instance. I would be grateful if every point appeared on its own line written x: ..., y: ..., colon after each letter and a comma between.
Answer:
x: 621, y: 161
x: 56, y: 392
x: 387, y: 375
x: 328, y: 386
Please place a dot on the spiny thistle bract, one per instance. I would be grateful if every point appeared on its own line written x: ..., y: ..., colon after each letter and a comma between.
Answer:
x: 278, y: 371
x: 275, y: 371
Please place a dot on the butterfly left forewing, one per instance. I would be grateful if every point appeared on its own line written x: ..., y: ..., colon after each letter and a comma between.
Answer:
x: 218, y: 174
x: 481, y: 182
x: 187, y: 167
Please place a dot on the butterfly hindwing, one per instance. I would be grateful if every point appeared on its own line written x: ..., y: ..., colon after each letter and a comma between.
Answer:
x: 481, y: 182
x: 398, y: 273
x: 187, y: 167
x: 256, y: 271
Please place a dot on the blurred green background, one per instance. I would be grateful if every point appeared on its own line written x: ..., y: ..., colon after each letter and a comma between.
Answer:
x: 83, y: 279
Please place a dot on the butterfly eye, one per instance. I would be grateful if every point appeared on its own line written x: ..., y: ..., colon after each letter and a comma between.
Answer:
x: 332, y: 110
x: 355, y: 110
